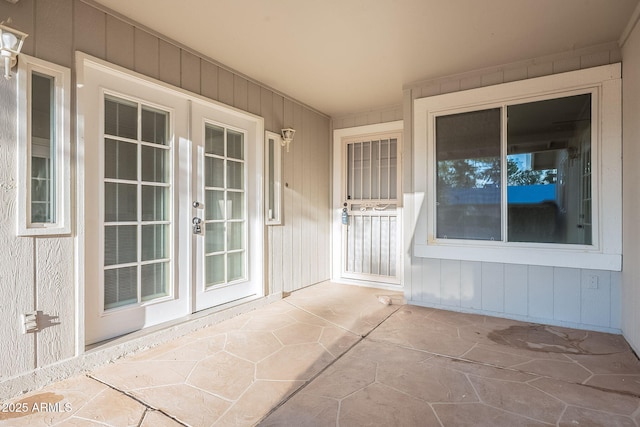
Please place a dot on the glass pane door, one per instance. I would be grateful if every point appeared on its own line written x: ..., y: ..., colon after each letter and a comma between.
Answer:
x: 137, y: 204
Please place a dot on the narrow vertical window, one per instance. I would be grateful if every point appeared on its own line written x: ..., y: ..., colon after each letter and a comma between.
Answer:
x: 43, y: 149
x: 273, y: 189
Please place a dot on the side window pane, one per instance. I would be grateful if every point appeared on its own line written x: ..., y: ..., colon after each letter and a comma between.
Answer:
x: 549, y: 171
x: 468, y: 181
x: 42, y: 149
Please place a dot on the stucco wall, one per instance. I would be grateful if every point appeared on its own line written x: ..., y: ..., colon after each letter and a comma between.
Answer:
x: 631, y: 188
x: 542, y: 294
x: 38, y: 273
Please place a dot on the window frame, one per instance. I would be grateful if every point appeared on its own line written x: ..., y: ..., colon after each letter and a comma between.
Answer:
x: 62, y: 139
x: 276, y: 217
x: 604, y: 84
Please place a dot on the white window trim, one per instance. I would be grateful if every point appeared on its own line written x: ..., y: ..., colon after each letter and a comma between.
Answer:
x: 606, y: 251
x: 273, y: 214
x: 62, y: 90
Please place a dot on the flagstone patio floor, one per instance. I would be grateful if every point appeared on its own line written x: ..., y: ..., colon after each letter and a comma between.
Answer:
x: 332, y: 354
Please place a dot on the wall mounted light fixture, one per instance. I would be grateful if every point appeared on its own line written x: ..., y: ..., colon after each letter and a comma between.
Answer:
x: 287, y: 137
x: 10, y: 44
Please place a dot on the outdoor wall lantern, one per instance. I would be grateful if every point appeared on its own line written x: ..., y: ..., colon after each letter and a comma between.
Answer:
x: 287, y: 137
x: 10, y: 44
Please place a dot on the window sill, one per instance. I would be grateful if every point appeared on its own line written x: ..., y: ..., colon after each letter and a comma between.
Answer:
x: 579, y: 257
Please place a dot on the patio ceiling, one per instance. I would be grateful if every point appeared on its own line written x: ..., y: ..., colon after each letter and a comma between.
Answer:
x: 346, y: 56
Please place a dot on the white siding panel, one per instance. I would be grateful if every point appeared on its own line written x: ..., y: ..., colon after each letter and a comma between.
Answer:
x: 450, y: 282
x: 430, y: 291
x: 566, y: 294
x: 596, y: 297
x: 615, y: 315
x: 541, y: 292
x: 493, y: 287
x: 516, y: 285
x: 471, y: 284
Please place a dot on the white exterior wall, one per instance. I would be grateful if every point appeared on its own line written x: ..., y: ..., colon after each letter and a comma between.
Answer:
x: 549, y: 295
x: 631, y: 188
x: 39, y: 273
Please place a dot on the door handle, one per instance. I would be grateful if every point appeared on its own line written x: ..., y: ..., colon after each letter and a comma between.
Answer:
x: 197, y: 228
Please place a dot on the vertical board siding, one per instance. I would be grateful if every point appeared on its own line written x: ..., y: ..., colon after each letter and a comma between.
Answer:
x: 120, y: 45
x: 209, y: 80
x: 190, y: 72
x: 515, y: 289
x: 54, y: 34
x: 56, y: 299
x: 43, y: 279
x: 16, y: 278
x: 169, y: 63
x: 541, y: 294
x: 146, y: 54
x: 493, y: 287
x: 566, y: 294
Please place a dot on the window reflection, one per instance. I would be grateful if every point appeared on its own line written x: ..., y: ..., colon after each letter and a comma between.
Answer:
x: 549, y: 171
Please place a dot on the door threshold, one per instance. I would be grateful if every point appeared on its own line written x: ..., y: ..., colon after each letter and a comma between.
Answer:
x: 172, y: 329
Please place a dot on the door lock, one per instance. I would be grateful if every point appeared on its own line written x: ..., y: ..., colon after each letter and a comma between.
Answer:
x: 197, y: 229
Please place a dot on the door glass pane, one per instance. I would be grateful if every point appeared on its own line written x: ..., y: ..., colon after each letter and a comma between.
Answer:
x: 214, y: 140
x: 235, y: 266
x: 549, y: 171
x: 468, y: 166
x: 235, y: 175
x: 120, y: 244
x: 155, y: 164
x: 155, y: 242
x: 213, y: 172
x: 120, y: 160
x: 155, y: 203
x: 214, y: 237
x: 120, y: 118
x: 120, y: 287
x: 214, y: 204
x: 154, y: 126
x: 214, y: 268
x: 155, y: 280
x: 235, y: 235
x: 235, y: 145
x: 120, y: 202
x: 235, y: 205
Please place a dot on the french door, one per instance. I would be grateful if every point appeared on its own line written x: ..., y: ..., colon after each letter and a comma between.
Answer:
x: 227, y: 221
x: 172, y: 213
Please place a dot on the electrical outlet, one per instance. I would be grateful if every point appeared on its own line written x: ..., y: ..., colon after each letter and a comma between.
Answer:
x: 592, y: 282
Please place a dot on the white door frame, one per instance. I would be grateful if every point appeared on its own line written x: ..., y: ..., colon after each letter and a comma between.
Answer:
x: 336, y: 226
x: 87, y: 115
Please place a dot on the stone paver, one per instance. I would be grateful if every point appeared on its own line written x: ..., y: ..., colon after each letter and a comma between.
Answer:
x: 333, y: 354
